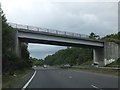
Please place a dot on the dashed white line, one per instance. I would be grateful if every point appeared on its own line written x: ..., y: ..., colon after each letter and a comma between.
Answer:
x: 28, y: 81
x: 96, y: 87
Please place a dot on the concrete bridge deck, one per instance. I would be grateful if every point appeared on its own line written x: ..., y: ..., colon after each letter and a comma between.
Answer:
x: 32, y: 34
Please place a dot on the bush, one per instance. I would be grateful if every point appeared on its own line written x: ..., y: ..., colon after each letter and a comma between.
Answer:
x: 11, y: 63
x: 115, y: 63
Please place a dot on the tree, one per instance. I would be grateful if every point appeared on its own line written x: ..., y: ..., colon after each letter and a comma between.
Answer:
x: 7, y: 36
x: 36, y: 62
x: 94, y: 36
x: 25, y: 54
x: 10, y: 61
x: 112, y: 38
x: 72, y: 56
x: 7, y: 44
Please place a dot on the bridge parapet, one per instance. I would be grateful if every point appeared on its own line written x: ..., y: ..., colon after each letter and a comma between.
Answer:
x: 52, y: 31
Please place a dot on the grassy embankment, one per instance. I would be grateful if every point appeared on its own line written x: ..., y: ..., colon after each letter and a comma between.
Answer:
x: 114, y: 64
x: 87, y: 67
x: 13, y: 81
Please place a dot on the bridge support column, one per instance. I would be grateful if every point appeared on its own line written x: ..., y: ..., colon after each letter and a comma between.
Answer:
x: 98, y: 56
x: 17, y: 45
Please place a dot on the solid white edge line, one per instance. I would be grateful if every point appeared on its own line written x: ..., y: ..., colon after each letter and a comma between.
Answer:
x: 28, y: 81
x: 96, y: 87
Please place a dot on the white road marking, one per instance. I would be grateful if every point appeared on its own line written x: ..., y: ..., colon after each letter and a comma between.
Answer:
x: 28, y: 81
x: 96, y: 87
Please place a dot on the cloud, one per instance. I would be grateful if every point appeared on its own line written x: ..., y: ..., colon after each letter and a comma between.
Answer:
x: 65, y: 16
x: 79, y: 17
x: 90, y: 18
x: 41, y: 50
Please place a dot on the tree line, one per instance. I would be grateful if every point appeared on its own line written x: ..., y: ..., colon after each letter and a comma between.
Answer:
x: 72, y: 56
x: 36, y: 62
x: 10, y: 60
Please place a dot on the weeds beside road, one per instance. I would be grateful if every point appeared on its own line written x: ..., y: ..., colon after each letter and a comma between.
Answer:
x: 13, y: 81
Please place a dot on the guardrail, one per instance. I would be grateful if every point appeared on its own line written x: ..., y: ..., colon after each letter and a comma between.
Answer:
x: 53, y: 31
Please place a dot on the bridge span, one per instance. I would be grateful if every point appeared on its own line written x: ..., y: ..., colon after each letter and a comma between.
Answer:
x: 103, y: 52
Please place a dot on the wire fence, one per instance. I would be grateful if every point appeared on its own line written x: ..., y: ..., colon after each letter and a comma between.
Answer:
x: 51, y: 31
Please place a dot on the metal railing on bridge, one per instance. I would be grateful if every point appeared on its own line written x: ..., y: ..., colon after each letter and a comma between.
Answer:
x: 51, y: 31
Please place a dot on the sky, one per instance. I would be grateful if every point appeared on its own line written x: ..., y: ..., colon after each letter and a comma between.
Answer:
x: 78, y: 16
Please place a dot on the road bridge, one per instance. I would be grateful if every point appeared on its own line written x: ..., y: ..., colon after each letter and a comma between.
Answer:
x: 103, y: 52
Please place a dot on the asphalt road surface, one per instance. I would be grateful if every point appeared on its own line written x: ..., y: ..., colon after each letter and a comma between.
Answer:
x: 65, y: 78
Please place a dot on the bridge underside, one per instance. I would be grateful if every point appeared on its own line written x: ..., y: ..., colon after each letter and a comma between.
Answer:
x: 59, y: 43
x: 98, y: 52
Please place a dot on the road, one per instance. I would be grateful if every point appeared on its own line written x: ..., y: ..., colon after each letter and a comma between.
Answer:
x: 66, y: 78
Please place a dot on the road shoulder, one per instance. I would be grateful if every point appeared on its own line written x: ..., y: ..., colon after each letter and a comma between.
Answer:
x: 25, y: 79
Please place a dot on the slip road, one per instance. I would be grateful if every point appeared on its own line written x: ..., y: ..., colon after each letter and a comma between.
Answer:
x: 65, y: 78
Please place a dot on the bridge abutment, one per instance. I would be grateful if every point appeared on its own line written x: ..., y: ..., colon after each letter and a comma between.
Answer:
x: 106, y: 55
x: 111, y: 52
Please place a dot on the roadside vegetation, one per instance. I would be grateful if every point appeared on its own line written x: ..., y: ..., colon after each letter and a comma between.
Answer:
x: 12, y: 81
x: 36, y: 62
x: 71, y: 55
x: 115, y: 64
x: 113, y: 38
x: 12, y: 64
x: 108, y: 71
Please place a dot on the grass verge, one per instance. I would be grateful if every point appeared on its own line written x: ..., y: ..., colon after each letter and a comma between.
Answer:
x: 87, y: 67
x: 13, y: 81
x: 114, y: 64
x: 98, y: 70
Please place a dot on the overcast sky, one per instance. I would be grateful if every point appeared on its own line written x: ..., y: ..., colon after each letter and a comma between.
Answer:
x: 65, y: 15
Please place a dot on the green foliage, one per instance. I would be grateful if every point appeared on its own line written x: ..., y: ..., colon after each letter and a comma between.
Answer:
x: 24, y: 51
x: 72, y: 56
x: 113, y: 38
x: 114, y: 64
x: 25, y: 55
x: 7, y: 36
x: 36, y: 62
x: 11, y: 62
x: 94, y: 36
